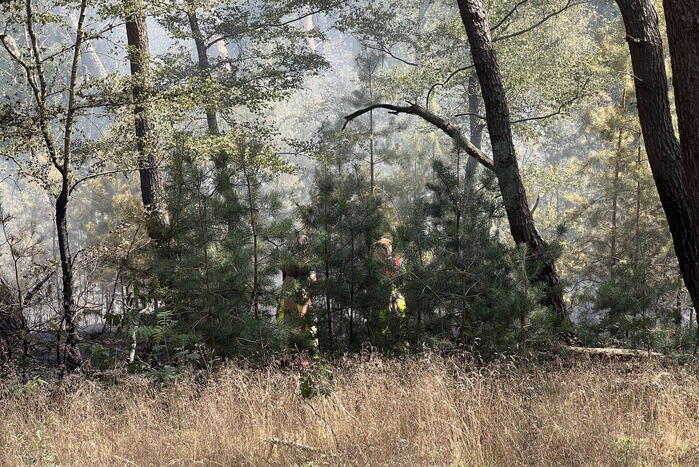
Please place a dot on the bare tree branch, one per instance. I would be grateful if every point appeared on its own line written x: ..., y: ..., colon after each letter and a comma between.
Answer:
x: 274, y: 25
x: 470, y: 114
x: 446, y: 81
x: 453, y: 132
x: 387, y: 51
x: 561, y: 107
x: 536, y: 204
x: 508, y: 15
x: 103, y: 174
x: 569, y: 4
x: 36, y: 288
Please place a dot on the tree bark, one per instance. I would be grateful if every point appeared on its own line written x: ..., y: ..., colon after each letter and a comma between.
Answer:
x: 151, y: 184
x: 475, y: 130
x: 682, y: 18
x: 450, y: 130
x: 71, y: 353
x: 663, y: 148
x: 89, y: 55
x: 541, y: 267
x: 613, y: 259
x: 204, y: 68
x: 254, y: 214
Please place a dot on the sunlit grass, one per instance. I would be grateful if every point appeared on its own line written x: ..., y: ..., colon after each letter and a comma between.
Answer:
x: 424, y: 411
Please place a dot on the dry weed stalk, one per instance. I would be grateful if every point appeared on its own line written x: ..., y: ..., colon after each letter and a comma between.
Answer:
x: 383, y: 412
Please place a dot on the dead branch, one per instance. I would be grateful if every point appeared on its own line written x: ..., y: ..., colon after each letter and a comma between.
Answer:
x: 452, y: 131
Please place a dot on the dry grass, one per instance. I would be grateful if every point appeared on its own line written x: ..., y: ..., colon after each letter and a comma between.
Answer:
x: 427, y: 411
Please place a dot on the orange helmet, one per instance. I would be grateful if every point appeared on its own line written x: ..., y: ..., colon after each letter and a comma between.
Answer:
x: 385, y: 245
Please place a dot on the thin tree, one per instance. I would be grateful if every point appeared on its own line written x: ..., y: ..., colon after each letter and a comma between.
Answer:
x: 58, y: 149
x: 613, y: 257
x: 139, y: 59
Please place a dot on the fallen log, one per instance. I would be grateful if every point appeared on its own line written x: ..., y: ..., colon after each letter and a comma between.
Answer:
x: 607, y: 353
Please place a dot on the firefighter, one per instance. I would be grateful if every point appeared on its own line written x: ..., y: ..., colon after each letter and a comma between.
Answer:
x: 296, y: 300
x: 383, y: 251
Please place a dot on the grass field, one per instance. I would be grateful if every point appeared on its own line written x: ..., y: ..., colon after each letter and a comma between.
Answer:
x: 421, y: 411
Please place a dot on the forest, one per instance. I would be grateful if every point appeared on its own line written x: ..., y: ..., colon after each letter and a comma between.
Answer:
x: 349, y: 232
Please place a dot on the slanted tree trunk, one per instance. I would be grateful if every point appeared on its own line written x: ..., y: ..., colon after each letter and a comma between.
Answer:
x: 204, y: 68
x: 541, y: 267
x: 139, y: 58
x: 424, y: 8
x: 672, y: 178
x: 223, y: 181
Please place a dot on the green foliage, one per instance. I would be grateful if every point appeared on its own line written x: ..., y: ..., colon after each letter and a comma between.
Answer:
x: 276, y: 61
x: 217, y: 266
x: 344, y: 220
x: 626, y: 450
x: 238, y: 198
x: 42, y: 451
x: 23, y: 389
x: 100, y: 356
x: 316, y: 381
x: 464, y: 285
x: 631, y: 302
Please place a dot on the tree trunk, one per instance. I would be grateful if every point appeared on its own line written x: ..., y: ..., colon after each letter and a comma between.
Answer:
x: 254, y: 214
x: 204, y: 68
x: 72, y: 352
x: 475, y: 130
x: 223, y: 178
x: 90, y: 55
x: 424, y: 8
x: 541, y: 267
x: 328, y: 308
x: 151, y: 185
x: 682, y: 17
x: 372, y: 163
x: 309, y: 26
x: 663, y: 149
x: 613, y: 260
x: 351, y: 293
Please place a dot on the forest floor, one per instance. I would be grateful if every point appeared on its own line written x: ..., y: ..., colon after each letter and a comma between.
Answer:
x: 426, y: 410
